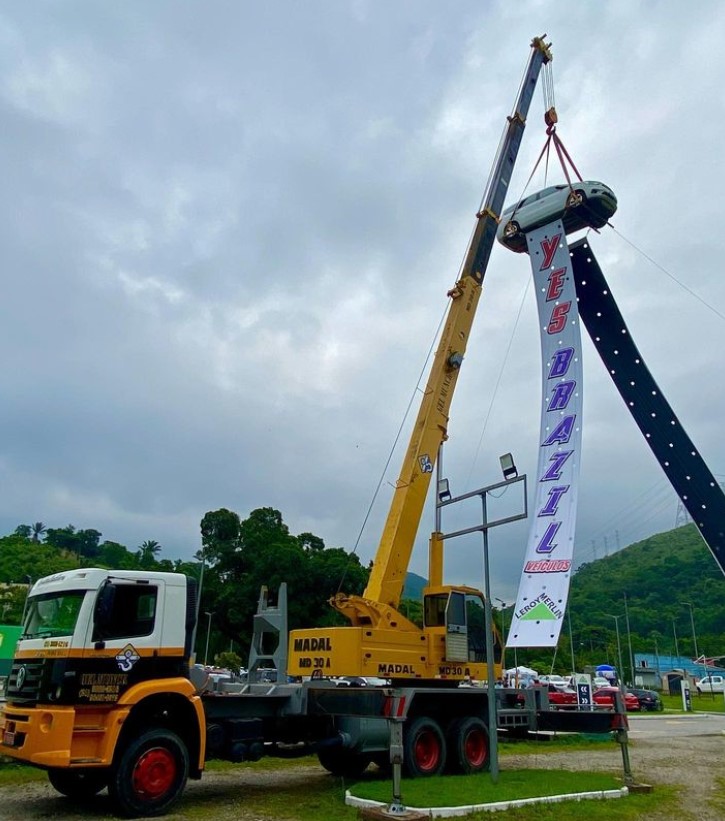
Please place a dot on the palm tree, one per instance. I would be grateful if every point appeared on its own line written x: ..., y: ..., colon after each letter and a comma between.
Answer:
x: 38, y: 529
x: 147, y: 552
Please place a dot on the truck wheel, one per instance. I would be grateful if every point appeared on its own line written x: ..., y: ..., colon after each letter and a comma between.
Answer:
x: 343, y: 762
x: 78, y: 783
x: 150, y: 774
x: 424, y: 748
x: 468, y: 749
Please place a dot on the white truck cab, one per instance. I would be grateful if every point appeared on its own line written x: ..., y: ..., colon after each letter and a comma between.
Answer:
x: 712, y: 683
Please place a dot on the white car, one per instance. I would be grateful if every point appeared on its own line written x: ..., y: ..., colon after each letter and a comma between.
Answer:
x: 711, y: 684
x: 583, y: 205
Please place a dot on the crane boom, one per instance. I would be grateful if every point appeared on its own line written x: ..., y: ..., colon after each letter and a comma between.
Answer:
x: 430, y: 430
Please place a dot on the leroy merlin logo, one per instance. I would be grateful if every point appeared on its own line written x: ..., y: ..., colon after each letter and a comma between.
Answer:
x: 542, y: 608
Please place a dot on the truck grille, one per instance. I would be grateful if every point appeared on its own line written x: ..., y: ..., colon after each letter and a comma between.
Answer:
x: 23, y: 686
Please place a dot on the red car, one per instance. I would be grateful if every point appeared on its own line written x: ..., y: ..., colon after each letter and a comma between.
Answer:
x: 604, y: 697
x: 561, y: 697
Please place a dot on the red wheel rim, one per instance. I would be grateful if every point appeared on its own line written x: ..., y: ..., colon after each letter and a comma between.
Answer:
x: 427, y: 751
x: 154, y: 773
x: 476, y: 748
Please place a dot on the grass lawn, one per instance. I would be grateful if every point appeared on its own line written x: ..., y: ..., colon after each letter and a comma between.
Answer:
x: 460, y: 790
x: 705, y: 703
x: 297, y: 802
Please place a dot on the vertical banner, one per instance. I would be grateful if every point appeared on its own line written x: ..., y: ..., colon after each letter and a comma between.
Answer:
x: 544, y: 586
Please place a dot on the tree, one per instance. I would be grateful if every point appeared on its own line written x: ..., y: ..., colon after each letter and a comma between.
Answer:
x: 229, y: 661
x: 147, y: 553
x: 12, y: 601
x: 24, y: 531
x: 115, y: 556
x: 38, y: 530
x: 241, y: 556
x: 20, y: 558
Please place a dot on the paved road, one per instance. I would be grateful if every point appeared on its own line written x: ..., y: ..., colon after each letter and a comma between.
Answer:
x: 660, y: 725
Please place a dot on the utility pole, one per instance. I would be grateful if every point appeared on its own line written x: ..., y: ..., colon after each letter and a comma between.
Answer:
x: 692, y: 624
x: 619, y: 645
x: 629, y: 641
x: 208, y: 633
x: 674, y: 633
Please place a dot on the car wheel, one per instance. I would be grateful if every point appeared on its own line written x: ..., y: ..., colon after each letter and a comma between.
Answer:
x: 424, y: 748
x: 511, y: 229
x: 78, y: 784
x: 575, y: 199
x: 150, y: 774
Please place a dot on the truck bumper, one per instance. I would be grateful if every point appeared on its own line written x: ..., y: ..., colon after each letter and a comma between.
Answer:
x: 59, y: 736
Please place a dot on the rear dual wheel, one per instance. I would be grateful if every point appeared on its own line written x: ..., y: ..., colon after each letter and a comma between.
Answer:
x: 424, y: 748
x: 468, y: 747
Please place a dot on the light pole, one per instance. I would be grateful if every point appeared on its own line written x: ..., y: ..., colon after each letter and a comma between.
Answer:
x: 692, y: 624
x: 619, y: 646
x: 677, y: 647
x: 571, y: 644
x: 445, y: 498
x: 503, y: 617
x: 208, y: 634
x: 629, y: 642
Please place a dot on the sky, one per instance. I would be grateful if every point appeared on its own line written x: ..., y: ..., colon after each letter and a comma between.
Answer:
x: 228, y: 230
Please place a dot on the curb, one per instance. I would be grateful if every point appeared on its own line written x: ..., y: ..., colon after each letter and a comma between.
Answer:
x: 495, y: 806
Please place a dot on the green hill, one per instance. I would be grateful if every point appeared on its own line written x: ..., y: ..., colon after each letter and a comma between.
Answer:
x: 660, y: 577
x: 414, y: 585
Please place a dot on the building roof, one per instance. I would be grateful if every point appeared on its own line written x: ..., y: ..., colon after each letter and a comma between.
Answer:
x: 665, y: 663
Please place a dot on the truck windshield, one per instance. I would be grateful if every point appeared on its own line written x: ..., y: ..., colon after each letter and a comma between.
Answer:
x: 52, y: 614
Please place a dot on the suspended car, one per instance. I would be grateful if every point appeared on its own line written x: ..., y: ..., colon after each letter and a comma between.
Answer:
x: 583, y: 205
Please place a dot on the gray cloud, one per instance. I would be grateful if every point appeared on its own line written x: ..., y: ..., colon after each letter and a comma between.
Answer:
x: 228, y: 231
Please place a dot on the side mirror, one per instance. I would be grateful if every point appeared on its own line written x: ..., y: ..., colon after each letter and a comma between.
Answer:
x: 103, y: 611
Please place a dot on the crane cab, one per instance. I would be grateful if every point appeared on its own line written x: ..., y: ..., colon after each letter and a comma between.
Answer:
x: 455, y: 623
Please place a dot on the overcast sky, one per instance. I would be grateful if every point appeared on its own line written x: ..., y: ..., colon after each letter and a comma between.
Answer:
x: 228, y: 229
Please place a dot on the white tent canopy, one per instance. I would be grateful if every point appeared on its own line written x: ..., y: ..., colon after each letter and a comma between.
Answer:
x: 521, y: 672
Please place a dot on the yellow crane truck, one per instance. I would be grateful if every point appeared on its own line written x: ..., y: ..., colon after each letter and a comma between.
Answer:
x: 103, y: 691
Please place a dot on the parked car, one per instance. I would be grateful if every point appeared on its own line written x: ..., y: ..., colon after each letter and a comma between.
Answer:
x: 559, y: 681
x: 561, y: 698
x: 361, y: 681
x: 584, y: 205
x: 648, y: 699
x: 604, y: 697
x: 711, y: 684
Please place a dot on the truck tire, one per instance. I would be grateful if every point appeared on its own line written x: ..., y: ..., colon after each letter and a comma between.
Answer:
x: 468, y: 749
x: 424, y: 748
x: 343, y: 762
x: 150, y: 774
x: 78, y: 784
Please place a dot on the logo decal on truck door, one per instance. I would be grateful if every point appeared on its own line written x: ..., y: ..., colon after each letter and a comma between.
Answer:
x: 127, y: 658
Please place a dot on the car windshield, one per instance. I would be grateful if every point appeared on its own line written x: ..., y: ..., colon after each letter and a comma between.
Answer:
x: 52, y: 614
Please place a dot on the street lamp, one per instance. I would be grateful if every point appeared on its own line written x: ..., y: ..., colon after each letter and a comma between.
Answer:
x: 508, y: 466
x: 208, y: 633
x: 619, y: 646
x: 503, y: 616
